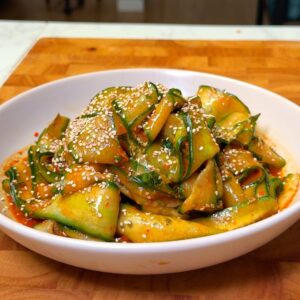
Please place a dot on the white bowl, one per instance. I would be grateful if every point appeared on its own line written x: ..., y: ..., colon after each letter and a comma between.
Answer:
x: 31, y: 111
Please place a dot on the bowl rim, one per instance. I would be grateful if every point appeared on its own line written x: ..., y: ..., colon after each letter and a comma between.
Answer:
x: 38, y: 88
x: 168, y: 246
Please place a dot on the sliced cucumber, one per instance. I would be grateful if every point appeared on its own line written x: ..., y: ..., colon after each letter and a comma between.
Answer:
x: 158, y: 117
x: 165, y: 161
x: 93, y: 210
x: 266, y: 154
x: 134, y: 107
x: 243, y: 165
x: 207, y: 191
x: 140, y: 227
x: 233, y: 193
x: 53, y: 132
x: 241, y: 215
x: 98, y: 143
x: 220, y: 104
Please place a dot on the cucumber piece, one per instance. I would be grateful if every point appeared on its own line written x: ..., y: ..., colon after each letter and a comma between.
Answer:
x: 191, y: 138
x: 55, y: 131
x: 45, y: 170
x: 160, y: 208
x: 80, y: 176
x: 187, y: 153
x: 235, y: 127
x: 275, y: 186
x: 148, y: 180
x: 74, y: 155
x: 93, y: 210
x: 232, y: 116
x: 245, y: 136
x: 202, y: 145
x: 220, y: 104
x: 18, y: 188
x: 63, y: 230
x: 56, y: 228
x: 130, y: 145
x: 98, y: 143
x: 155, y: 181
x: 243, y: 165
x: 233, y: 192
x: 145, y: 175
x: 266, y: 154
x: 262, y: 189
x: 19, y: 183
x: 5, y: 185
x: 241, y: 215
x: 45, y: 226
x: 175, y: 130
x: 118, y: 125
x: 102, y: 101
x: 290, y: 188
x: 53, y: 227
x: 33, y: 164
x: 206, y: 193
x: 41, y: 168
x: 186, y: 187
x: 210, y: 121
x: 140, y: 227
x: 140, y: 194
x: 165, y: 162
x: 158, y: 117
x: 13, y: 191
x: 40, y: 155
x: 250, y: 191
x: 134, y: 107
x: 179, y: 100
x: 140, y: 173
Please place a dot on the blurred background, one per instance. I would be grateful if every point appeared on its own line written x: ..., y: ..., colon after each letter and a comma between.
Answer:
x: 241, y: 12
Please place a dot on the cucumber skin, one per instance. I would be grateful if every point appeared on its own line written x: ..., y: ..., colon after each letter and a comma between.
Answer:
x: 94, y: 212
x: 140, y: 227
x: 241, y: 215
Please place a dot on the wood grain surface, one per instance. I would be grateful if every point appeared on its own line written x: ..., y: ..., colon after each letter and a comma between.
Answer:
x: 271, y: 272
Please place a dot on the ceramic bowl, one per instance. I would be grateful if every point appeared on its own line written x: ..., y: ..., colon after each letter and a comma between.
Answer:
x: 33, y: 110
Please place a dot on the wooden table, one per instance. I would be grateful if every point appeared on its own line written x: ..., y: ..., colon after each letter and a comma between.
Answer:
x: 271, y: 272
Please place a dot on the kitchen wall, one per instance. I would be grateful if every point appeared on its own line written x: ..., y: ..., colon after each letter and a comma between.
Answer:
x: 148, y: 11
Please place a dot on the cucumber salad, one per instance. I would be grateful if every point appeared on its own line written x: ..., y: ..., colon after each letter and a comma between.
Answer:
x: 147, y: 164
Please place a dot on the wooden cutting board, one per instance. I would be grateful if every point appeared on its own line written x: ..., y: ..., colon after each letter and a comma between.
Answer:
x: 271, y: 272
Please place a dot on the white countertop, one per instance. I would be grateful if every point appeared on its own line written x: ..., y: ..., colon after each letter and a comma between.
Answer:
x: 17, y: 37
